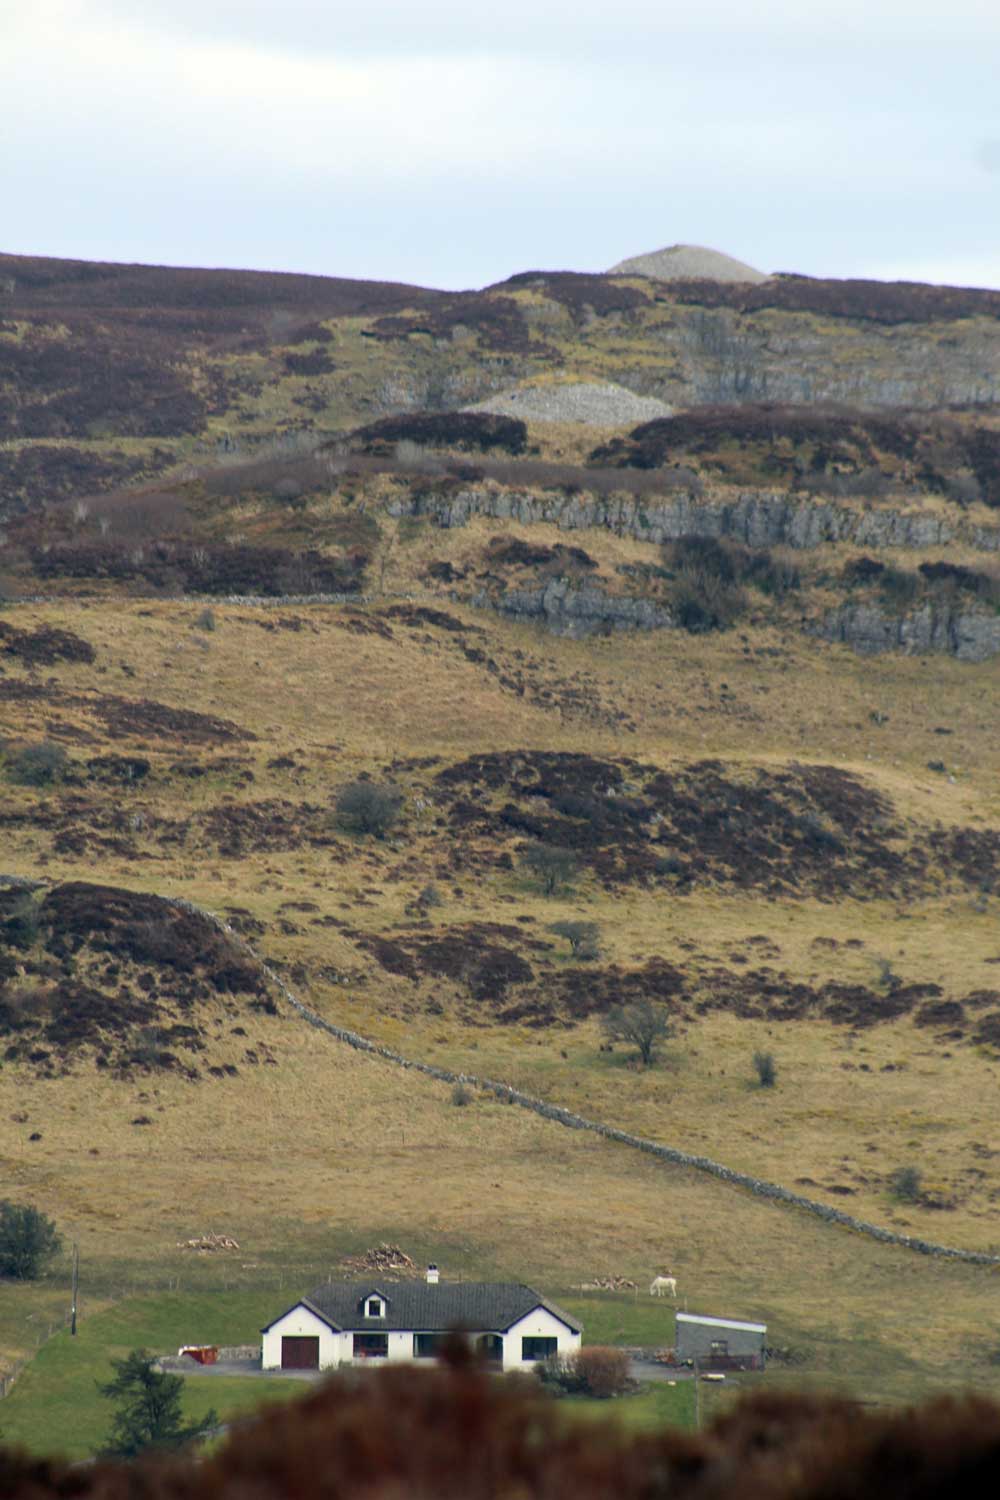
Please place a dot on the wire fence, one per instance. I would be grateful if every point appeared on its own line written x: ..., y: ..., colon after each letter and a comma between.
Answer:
x: 44, y: 1332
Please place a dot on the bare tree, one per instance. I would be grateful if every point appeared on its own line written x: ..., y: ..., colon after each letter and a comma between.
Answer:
x: 583, y: 937
x: 641, y: 1023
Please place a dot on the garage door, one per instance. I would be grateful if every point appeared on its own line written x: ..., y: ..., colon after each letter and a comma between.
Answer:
x: 300, y: 1353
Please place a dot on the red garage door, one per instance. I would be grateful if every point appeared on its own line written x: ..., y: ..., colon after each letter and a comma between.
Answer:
x: 299, y: 1353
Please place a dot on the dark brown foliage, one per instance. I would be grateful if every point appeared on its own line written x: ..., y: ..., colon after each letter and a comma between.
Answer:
x: 470, y: 956
x: 117, y: 973
x: 497, y: 322
x: 815, y: 829
x: 187, y: 567
x: 476, y: 432
x: 838, y: 436
x: 870, y: 301
x: 456, y: 1433
x: 143, y: 718
x: 584, y: 294
x: 43, y: 647
x: 42, y: 282
x: 835, y: 451
x: 318, y: 362
x: 558, y: 560
x: 62, y: 472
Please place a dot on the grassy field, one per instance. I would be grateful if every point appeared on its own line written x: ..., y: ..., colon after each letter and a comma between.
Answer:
x: 327, y: 1152
x: 55, y: 1406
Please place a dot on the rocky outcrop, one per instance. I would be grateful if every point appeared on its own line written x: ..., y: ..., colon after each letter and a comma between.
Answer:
x: 758, y: 519
x: 870, y: 630
x: 577, y: 611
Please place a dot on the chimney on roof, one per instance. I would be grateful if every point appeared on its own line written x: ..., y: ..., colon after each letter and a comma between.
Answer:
x: 432, y: 1275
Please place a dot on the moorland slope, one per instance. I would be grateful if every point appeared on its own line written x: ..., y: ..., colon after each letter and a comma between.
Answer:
x: 739, y: 662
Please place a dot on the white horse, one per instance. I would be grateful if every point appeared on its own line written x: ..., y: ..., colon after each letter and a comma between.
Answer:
x: 661, y: 1284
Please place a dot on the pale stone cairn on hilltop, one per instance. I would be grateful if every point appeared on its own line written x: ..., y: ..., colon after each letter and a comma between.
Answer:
x: 688, y: 263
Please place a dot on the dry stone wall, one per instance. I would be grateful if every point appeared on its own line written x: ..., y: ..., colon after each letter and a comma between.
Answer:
x: 756, y: 1185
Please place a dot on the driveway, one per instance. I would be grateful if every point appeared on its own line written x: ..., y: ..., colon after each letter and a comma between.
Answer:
x: 648, y: 1369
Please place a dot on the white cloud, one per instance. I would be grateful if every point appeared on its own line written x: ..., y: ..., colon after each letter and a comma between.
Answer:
x: 433, y: 142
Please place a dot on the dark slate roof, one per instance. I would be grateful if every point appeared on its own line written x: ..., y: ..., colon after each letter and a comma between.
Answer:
x: 414, y: 1306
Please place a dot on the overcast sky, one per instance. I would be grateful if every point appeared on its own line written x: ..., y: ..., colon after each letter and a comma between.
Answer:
x: 452, y: 144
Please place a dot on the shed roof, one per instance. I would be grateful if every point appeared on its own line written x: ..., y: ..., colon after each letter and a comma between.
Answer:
x: 484, y: 1306
x: 721, y: 1322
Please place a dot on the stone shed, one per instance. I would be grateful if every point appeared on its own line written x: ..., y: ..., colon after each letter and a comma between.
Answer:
x: 720, y: 1343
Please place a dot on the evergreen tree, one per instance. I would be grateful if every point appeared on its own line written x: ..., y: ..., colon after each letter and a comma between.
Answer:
x: 28, y: 1240
x: 149, y: 1408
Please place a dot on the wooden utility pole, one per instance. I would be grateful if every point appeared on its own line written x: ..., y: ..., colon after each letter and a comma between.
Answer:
x: 76, y: 1288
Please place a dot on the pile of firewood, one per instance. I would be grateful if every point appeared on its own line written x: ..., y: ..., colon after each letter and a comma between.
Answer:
x: 608, y: 1284
x: 381, y: 1258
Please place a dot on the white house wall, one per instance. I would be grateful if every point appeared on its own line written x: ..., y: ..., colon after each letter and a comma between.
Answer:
x: 301, y: 1323
x: 539, y: 1324
x: 337, y: 1348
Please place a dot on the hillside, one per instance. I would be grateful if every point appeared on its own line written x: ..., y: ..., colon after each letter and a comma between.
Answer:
x: 110, y: 374
x: 738, y: 662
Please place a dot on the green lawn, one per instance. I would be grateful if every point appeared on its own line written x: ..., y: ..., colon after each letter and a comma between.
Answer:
x: 658, y: 1404
x: 55, y: 1406
x: 621, y: 1317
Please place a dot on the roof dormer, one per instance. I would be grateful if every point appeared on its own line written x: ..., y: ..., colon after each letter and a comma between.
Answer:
x: 374, y: 1304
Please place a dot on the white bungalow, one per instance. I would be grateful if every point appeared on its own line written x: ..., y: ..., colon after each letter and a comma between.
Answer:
x: 352, y: 1322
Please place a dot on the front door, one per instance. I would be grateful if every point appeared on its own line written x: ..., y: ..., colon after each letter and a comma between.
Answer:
x: 298, y: 1353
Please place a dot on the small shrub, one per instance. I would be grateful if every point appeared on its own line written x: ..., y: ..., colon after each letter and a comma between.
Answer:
x: 583, y: 937
x: 702, y: 602
x: 461, y: 1095
x: 905, y: 1184
x: 766, y: 1069
x: 429, y: 896
x: 21, y: 925
x: 964, y: 489
x: 593, y: 1370
x: 862, y: 570
x: 368, y: 807
x: 551, y: 866
x: 887, y: 975
x: 899, y: 587
x: 288, y: 491
x: 205, y: 621
x: 38, y: 765
x: 603, y: 1372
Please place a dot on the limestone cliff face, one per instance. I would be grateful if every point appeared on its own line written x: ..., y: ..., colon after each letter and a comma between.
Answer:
x: 869, y: 630
x: 757, y: 519
x: 578, y: 609
x: 720, y: 355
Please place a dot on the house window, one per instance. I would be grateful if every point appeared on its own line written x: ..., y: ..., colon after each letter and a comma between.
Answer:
x: 426, y: 1345
x: 374, y: 1308
x: 371, y: 1345
x: 537, y: 1348
x: 719, y: 1347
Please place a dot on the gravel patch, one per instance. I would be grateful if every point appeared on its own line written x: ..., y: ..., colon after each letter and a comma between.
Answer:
x: 688, y: 263
x: 591, y: 405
